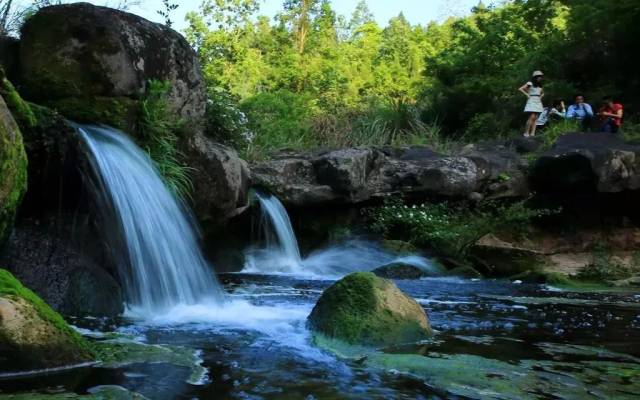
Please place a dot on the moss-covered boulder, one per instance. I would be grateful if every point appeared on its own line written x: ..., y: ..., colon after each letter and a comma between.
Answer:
x: 364, y: 309
x: 32, y: 335
x: 13, y: 170
x: 94, y: 63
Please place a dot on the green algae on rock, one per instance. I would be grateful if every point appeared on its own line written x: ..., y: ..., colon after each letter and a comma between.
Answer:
x: 364, y: 309
x: 104, y: 392
x: 120, y: 350
x: 13, y: 170
x: 32, y: 334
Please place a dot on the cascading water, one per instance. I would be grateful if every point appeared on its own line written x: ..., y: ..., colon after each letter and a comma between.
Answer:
x: 162, y: 265
x: 282, y: 255
x: 281, y: 244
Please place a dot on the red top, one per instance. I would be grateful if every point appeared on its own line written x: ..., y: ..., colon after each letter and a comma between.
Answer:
x: 613, y: 110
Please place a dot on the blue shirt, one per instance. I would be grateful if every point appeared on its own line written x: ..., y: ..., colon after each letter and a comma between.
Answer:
x: 579, y: 111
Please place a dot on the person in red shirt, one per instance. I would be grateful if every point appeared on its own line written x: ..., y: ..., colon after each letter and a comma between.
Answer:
x: 611, y: 115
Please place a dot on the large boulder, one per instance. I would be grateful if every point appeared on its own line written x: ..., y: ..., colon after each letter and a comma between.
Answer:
x: 400, y: 270
x: 594, y: 162
x: 220, y: 179
x: 357, y: 175
x: 72, y: 275
x: 93, y: 62
x: 32, y: 335
x: 364, y: 309
x: 13, y: 170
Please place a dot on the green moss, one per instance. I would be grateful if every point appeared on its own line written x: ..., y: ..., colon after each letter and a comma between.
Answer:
x: 119, y: 112
x: 350, y: 310
x: 11, y: 287
x: 13, y: 172
x: 542, y: 276
x: 115, y: 353
x: 19, y: 108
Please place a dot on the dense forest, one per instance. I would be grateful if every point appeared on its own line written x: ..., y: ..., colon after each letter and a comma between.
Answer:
x: 311, y: 77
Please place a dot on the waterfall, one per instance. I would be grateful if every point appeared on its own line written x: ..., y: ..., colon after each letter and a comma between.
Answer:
x: 281, y: 254
x: 281, y: 246
x: 154, y: 237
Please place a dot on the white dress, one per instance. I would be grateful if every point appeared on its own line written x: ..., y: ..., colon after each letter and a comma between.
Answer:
x: 534, y: 104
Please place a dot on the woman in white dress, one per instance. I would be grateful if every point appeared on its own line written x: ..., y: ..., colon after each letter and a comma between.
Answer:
x: 533, y: 91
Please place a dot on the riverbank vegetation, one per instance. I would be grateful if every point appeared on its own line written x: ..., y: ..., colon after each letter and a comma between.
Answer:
x: 313, y: 78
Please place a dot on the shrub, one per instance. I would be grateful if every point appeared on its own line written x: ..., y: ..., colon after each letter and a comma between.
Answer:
x: 159, y: 129
x: 225, y: 122
x: 279, y: 119
x: 451, y: 229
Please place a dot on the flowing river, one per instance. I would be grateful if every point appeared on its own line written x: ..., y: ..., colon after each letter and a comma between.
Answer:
x: 495, y: 339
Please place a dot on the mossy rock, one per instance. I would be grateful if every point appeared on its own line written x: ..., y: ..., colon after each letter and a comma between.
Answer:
x: 119, y: 112
x: 364, y: 309
x: 32, y: 334
x: 399, y: 247
x: 19, y: 108
x: 103, y: 392
x: 542, y: 277
x: 465, y: 271
x: 399, y: 271
x: 13, y: 170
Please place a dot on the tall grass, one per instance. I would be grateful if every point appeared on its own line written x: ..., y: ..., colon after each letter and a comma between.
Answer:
x: 159, y: 129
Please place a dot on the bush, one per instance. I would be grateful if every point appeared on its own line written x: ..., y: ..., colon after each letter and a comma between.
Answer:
x: 159, y: 129
x: 604, y: 267
x: 225, y: 122
x: 451, y: 229
x: 279, y: 119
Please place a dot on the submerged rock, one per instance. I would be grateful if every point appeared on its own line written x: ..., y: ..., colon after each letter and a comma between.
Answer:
x: 32, y: 335
x: 364, y: 309
x: 91, y: 61
x: 13, y: 169
x: 399, y: 270
x: 505, y: 259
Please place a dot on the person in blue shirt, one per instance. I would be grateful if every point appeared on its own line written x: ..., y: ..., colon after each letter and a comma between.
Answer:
x: 580, y: 111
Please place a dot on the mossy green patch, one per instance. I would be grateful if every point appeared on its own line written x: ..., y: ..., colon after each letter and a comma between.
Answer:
x: 352, y: 310
x: 19, y: 108
x: 119, y: 112
x: 13, y: 170
x: 114, y: 353
x: 11, y: 287
x: 108, y: 392
x: 591, y: 376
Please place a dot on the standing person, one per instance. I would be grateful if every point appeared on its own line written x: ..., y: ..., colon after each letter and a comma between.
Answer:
x: 610, y: 115
x: 580, y: 111
x: 556, y: 111
x: 533, y: 108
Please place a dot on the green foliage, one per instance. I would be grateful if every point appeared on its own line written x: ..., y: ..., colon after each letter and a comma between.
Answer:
x: 19, y: 108
x: 605, y: 268
x: 225, y: 122
x: 159, y: 129
x: 448, y: 228
x: 360, y: 83
x: 280, y: 119
x: 555, y: 129
x: 11, y: 287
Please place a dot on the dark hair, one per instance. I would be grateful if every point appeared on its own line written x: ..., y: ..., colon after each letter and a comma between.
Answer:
x: 557, y: 102
x: 578, y: 95
x: 536, y: 81
x: 607, y: 99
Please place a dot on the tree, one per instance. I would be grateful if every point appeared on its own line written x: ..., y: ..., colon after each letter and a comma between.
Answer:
x: 167, y: 8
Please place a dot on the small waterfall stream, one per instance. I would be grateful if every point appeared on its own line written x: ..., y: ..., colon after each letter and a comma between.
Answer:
x: 281, y: 254
x: 161, y: 263
x: 279, y: 234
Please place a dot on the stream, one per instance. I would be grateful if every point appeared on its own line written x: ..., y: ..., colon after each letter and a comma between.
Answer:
x: 495, y: 339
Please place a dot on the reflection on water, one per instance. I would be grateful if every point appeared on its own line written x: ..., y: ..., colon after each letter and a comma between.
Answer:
x: 494, y: 340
